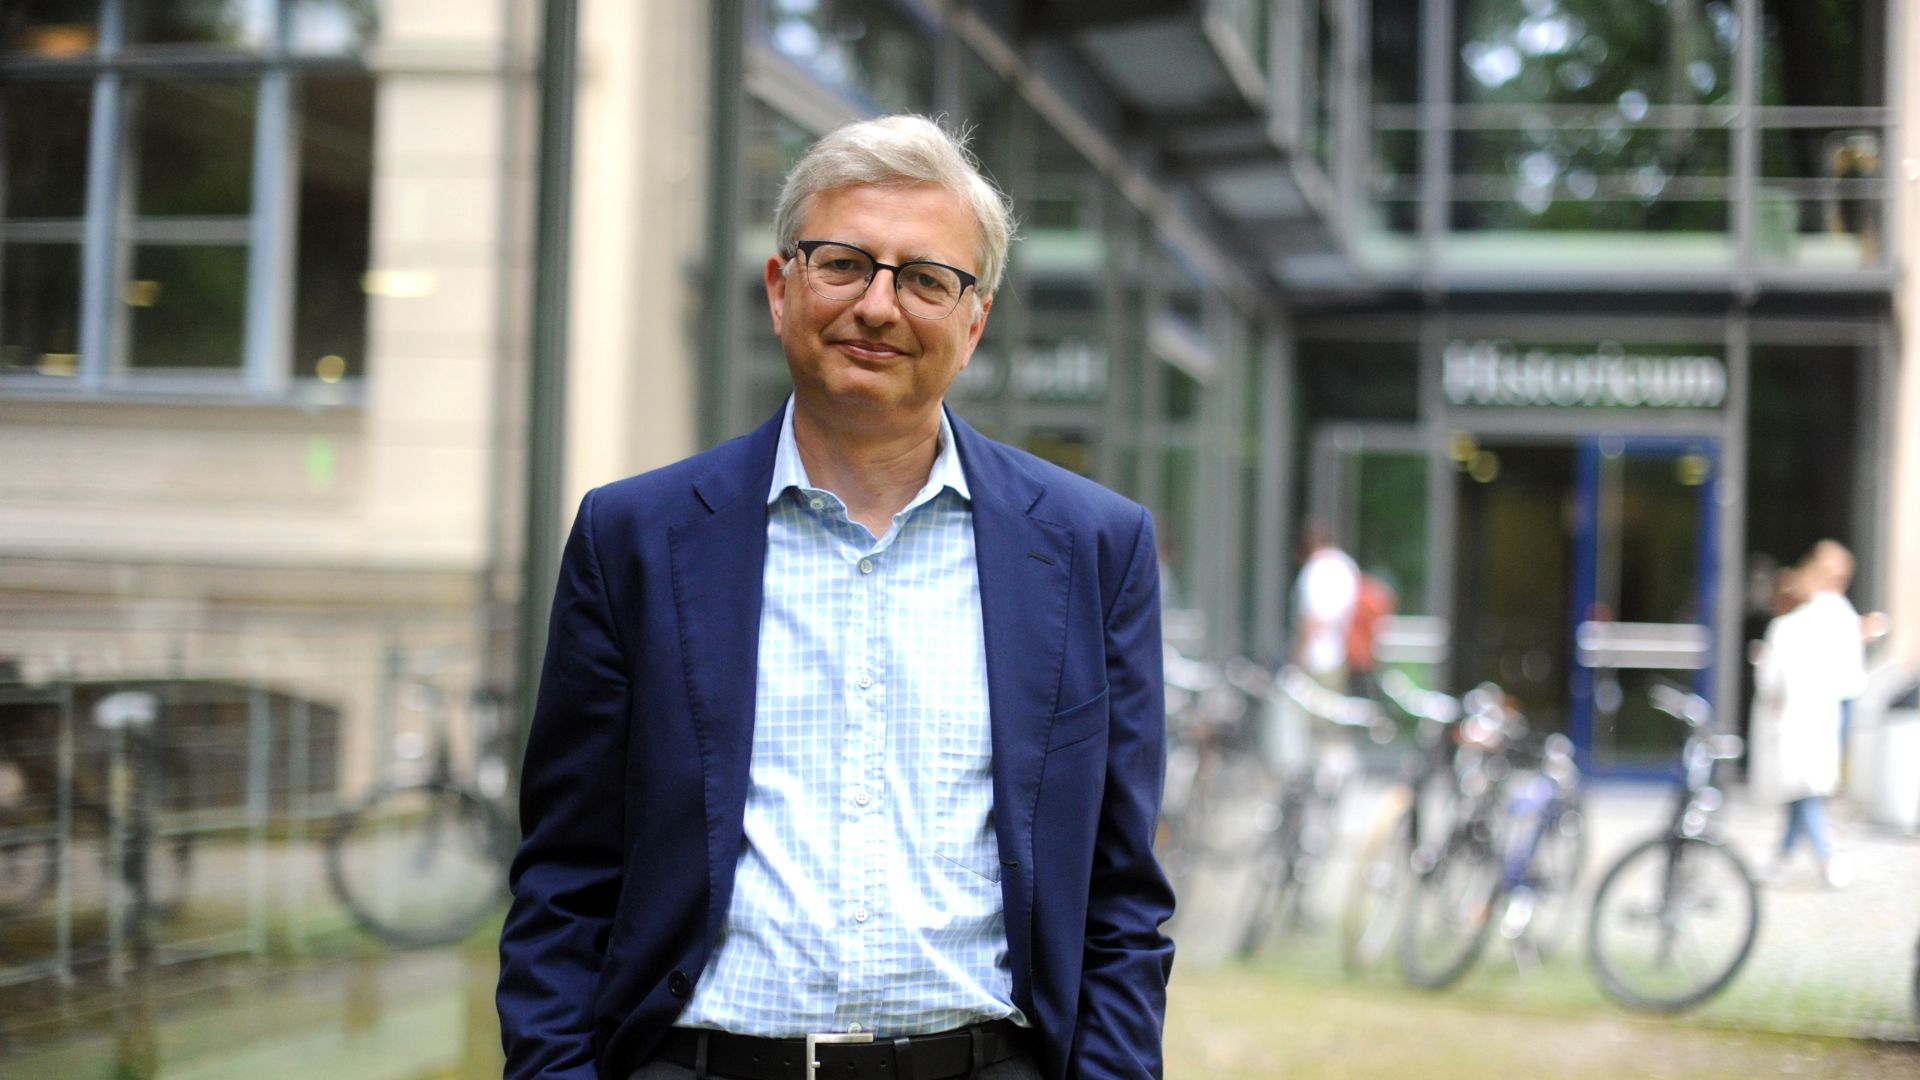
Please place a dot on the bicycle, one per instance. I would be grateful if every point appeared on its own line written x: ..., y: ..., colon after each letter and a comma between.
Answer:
x: 1212, y: 767
x: 1676, y: 916
x: 1409, y: 817
x: 424, y: 863
x: 153, y: 864
x: 1512, y: 857
x: 1298, y: 824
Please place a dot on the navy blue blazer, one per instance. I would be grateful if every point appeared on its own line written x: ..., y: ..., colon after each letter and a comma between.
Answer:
x: 635, y: 783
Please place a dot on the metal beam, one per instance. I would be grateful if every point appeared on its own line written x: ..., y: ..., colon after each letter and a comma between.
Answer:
x: 547, y: 355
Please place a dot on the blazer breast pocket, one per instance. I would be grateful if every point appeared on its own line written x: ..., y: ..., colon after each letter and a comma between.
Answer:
x: 1077, y: 724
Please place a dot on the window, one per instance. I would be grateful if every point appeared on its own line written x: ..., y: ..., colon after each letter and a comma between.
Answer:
x: 188, y: 197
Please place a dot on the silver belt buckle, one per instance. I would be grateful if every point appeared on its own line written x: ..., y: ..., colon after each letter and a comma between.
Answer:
x: 829, y: 1039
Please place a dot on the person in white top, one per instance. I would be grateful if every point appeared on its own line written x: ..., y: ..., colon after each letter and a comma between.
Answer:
x: 1810, y: 665
x: 1323, y: 601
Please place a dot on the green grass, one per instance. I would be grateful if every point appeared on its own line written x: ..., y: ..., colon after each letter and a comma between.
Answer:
x: 1238, y: 1022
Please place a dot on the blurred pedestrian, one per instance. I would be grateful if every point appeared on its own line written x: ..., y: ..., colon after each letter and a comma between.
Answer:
x: 1324, y: 597
x: 1809, y: 666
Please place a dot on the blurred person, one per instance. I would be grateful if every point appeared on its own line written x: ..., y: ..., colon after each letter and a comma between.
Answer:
x: 1374, y: 601
x: 1809, y: 665
x: 1325, y: 594
x: 784, y: 778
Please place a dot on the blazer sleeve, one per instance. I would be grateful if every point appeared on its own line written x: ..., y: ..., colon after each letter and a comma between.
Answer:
x: 566, y: 876
x: 1124, y: 970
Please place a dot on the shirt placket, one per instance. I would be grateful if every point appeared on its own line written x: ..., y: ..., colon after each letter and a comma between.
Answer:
x: 863, y: 817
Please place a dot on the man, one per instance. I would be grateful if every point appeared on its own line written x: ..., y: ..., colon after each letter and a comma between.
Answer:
x: 849, y: 740
x: 1324, y: 595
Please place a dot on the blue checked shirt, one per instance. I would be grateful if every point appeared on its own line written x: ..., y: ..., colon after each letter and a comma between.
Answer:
x: 867, y: 896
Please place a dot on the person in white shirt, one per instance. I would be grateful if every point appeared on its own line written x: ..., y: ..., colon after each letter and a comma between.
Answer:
x: 1324, y: 595
x: 1809, y: 666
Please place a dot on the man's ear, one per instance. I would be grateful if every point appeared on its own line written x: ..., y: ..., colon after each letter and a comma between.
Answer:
x: 777, y: 288
x: 977, y: 327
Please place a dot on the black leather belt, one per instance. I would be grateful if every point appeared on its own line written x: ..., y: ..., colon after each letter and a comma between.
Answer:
x: 940, y: 1056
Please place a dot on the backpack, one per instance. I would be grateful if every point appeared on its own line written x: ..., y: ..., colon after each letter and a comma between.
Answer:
x: 1372, y: 602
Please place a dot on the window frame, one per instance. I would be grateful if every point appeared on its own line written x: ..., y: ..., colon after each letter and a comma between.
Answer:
x: 111, y: 231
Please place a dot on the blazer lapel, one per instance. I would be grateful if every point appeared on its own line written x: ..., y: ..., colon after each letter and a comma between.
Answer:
x: 718, y: 563
x: 1025, y: 565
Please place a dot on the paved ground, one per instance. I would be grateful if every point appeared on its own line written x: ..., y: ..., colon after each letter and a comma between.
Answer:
x: 1826, y: 962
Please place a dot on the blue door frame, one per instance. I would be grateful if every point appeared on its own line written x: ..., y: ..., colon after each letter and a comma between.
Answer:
x: 1591, y: 454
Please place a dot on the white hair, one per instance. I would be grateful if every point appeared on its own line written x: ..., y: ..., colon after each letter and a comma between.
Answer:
x: 899, y: 151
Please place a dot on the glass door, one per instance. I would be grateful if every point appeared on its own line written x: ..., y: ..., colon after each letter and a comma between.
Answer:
x: 1643, y: 593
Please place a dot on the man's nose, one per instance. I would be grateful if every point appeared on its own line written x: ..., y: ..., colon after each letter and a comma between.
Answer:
x: 880, y: 303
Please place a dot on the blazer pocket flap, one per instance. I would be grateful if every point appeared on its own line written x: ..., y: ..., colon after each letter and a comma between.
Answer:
x: 1078, y: 723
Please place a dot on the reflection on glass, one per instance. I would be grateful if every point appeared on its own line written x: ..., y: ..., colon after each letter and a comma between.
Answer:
x: 43, y: 148
x: 1619, y: 168
x: 187, y: 306
x: 193, y: 145
x: 332, y: 26
x: 336, y: 210
x: 1822, y: 54
x: 869, y: 49
x: 245, y: 23
x: 50, y: 28
x: 1597, y: 52
x: 40, y: 308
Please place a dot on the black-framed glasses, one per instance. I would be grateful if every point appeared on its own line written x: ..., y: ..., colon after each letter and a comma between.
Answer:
x: 925, y: 290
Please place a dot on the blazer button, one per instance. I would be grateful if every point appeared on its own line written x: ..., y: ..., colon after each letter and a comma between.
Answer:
x: 679, y: 985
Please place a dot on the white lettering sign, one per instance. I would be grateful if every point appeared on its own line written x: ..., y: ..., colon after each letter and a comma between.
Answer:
x: 1071, y: 370
x: 1498, y: 373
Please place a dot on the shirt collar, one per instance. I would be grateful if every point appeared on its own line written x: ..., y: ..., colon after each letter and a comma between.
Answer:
x: 790, y: 472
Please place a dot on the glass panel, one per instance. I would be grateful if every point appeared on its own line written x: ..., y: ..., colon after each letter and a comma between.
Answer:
x: 1823, y: 195
x: 1071, y: 450
x: 43, y: 148
x: 1611, y: 177
x: 334, y: 243
x: 1803, y: 401
x: 332, y: 26
x: 40, y: 308
x: 1356, y: 380
x: 1596, y: 52
x: 1822, y: 54
x: 192, y: 146
x: 187, y: 306
x: 1181, y: 395
x: 1321, y: 133
x: 1396, y: 52
x: 869, y: 49
x: 50, y: 28
x: 1391, y: 524
x: 198, y: 22
x: 1516, y: 558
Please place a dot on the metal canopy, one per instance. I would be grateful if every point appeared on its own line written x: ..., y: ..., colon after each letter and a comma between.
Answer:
x: 1189, y: 81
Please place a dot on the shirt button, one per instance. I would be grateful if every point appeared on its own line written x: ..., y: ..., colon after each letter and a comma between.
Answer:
x: 860, y: 914
x: 860, y: 797
x: 866, y: 566
x: 854, y: 1029
x: 866, y: 681
x: 817, y: 503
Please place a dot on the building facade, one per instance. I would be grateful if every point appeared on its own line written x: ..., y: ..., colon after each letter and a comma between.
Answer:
x: 1573, y: 319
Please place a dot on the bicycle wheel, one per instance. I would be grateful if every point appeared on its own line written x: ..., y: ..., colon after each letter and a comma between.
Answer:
x: 1273, y: 885
x: 1552, y: 880
x: 418, y: 865
x: 1672, y: 922
x: 1452, y: 913
x: 1377, y: 891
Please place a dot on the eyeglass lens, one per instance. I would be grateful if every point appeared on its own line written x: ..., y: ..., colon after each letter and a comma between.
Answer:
x: 838, y: 272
